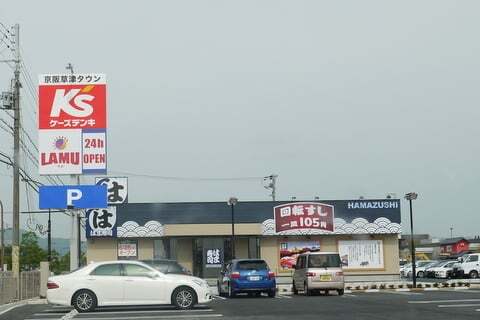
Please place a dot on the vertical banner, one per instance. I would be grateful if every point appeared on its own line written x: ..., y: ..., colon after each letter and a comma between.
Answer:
x: 72, y: 123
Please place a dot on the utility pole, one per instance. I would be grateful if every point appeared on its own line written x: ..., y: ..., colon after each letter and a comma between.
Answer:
x: 16, y: 163
x: 272, y: 185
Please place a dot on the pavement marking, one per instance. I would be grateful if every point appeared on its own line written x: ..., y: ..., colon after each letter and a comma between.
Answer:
x: 282, y: 296
x: 147, y: 311
x: 431, y: 289
x: 404, y: 293
x: 458, y: 305
x: 372, y: 290
x: 444, y: 301
x: 349, y: 295
x: 70, y: 315
x: 11, y: 308
x: 190, y: 316
x: 219, y: 297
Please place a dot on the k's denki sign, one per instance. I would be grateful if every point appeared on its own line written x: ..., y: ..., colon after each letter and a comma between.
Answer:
x: 117, y: 189
x: 72, y: 124
x: 304, y: 215
x: 71, y: 101
x: 102, y: 222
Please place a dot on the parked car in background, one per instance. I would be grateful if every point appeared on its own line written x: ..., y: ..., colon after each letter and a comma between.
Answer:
x: 167, y: 266
x: 444, y: 271
x: 251, y: 276
x: 318, y: 271
x: 116, y: 283
x: 407, y: 271
x: 421, y: 270
x: 468, y: 265
x: 403, y: 268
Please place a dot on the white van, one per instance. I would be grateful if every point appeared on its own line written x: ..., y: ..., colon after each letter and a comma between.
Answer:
x: 469, y: 265
x: 318, y: 271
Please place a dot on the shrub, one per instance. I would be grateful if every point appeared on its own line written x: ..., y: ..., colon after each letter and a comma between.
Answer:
x: 419, y: 285
x: 435, y: 284
x: 391, y: 286
x: 428, y: 285
x: 383, y: 286
x: 374, y: 286
x: 453, y: 285
x: 409, y: 285
x: 400, y: 286
x: 358, y: 287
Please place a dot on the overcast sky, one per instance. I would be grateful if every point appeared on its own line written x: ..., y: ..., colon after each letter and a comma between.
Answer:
x: 341, y: 99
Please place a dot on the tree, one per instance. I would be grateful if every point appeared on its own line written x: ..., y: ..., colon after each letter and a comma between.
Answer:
x: 30, y: 252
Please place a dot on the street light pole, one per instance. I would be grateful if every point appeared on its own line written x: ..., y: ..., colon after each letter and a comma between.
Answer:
x: 451, y: 232
x: 49, y: 237
x: 232, y: 202
x: 412, y: 196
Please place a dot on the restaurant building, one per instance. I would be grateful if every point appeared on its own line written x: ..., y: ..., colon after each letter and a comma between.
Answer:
x: 199, y: 234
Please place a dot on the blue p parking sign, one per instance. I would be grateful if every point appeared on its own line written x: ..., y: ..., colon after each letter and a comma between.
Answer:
x: 75, y: 197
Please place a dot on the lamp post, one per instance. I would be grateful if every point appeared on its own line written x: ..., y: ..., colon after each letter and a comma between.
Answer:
x: 232, y: 202
x: 412, y: 196
x: 451, y: 232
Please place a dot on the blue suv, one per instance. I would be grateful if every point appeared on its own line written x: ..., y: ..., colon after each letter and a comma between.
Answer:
x: 251, y: 276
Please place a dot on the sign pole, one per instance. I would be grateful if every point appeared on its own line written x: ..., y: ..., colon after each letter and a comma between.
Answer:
x: 16, y: 165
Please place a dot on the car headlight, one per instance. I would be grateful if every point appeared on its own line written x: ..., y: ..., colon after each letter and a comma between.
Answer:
x: 201, y: 283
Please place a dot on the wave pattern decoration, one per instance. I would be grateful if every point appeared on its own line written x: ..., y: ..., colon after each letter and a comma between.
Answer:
x: 131, y: 229
x: 357, y: 226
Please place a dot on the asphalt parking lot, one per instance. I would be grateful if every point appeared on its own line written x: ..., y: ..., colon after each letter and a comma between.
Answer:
x: 438, y: 305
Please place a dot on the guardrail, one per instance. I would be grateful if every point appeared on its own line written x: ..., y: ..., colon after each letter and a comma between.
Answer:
x: 29, y: 286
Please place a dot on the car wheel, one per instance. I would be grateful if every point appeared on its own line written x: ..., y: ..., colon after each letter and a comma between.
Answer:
x: 231, y: 292
x: 473, y: 274
x: 420, y: 274
x: 271, y: 293
x: 294, y: 288
x: 341, y: 292
x: 184, y: 298
x: 84, y: 301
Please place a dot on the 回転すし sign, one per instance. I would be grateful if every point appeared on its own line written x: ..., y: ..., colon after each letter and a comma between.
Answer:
x: 304, y: 215
x: 72, y: 123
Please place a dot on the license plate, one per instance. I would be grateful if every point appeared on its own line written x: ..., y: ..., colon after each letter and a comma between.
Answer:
x: 254, y: 278
x: 325, y: 278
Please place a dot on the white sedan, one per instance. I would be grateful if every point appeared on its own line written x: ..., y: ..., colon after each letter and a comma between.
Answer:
x: 116, y: 283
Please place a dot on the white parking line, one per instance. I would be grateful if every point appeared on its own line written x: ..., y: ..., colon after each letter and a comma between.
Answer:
x: 149, y: 311
x: 404, y: 293
x: 186, y: 316
x: 219, y: 297
x: 282, y: 296
x: 458, y: 305
x: 443, y: 301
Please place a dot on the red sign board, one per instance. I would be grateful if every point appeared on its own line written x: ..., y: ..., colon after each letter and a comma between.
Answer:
x: 72, y: 106
x: 304, y: 215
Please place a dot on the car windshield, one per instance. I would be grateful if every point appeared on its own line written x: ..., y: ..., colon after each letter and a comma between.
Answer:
x: 324, y: 261
x: 252, y: 265
x: 423, y: 263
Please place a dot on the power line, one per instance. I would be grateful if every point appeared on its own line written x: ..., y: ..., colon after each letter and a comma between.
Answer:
x: 186, y: 178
